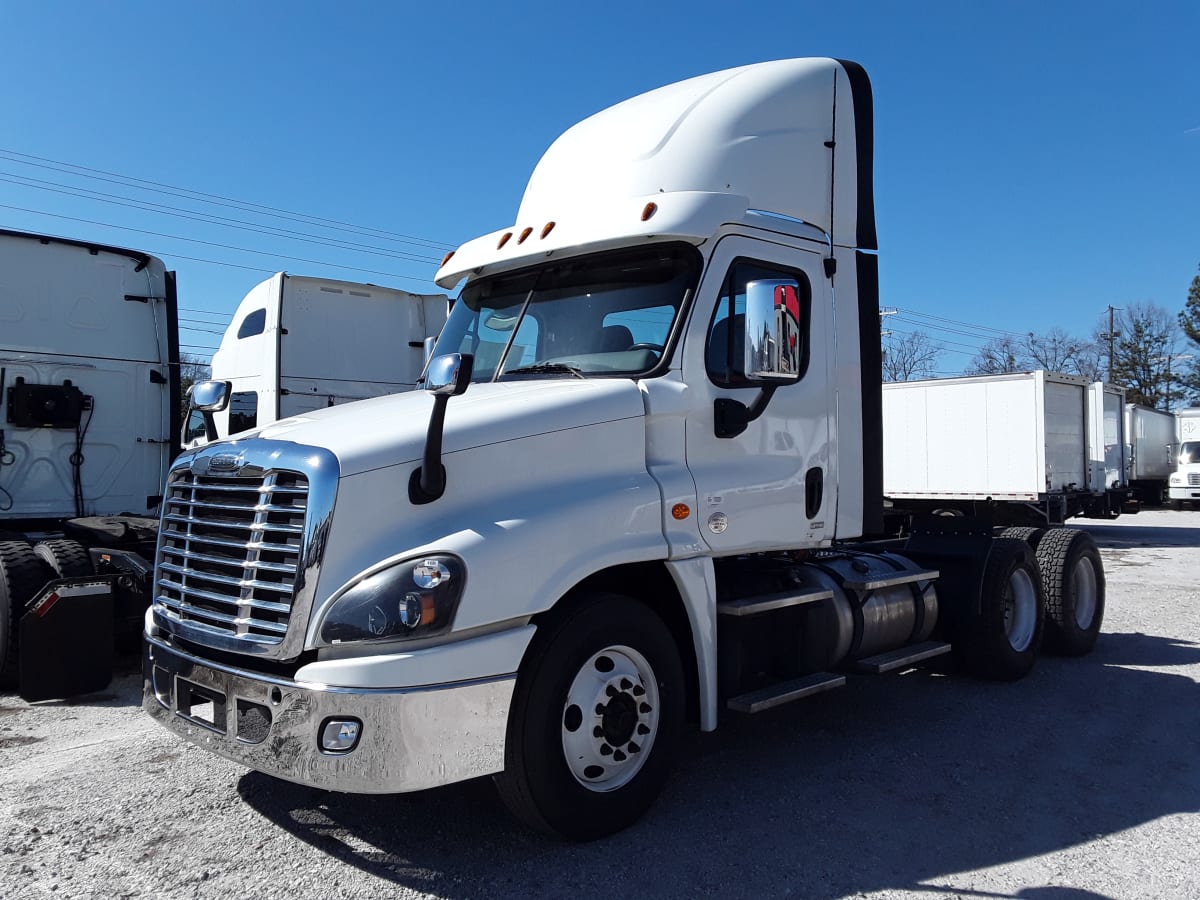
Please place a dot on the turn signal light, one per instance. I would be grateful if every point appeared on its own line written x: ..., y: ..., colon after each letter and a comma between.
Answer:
x: 681, y: 510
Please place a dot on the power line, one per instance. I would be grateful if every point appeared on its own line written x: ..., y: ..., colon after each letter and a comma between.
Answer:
x: 215, y: 199
x: 221, y: 221
x: 178, y: 237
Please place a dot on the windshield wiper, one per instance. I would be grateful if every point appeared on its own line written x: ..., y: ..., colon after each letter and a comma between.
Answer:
x: 546, y: 369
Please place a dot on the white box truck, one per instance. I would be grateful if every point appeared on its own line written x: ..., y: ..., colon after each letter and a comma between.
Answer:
x: 298, y: 343
x: 1152, y: 451
x: 636, y: 490
x: 89, y: 423
x: 1028, y: 448
x: 1184, y: 482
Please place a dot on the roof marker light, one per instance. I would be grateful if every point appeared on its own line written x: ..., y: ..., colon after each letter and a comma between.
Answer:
x: 546, y: 229
x: 524, y: 234
x: 648, y: 210
x: 446, y: 258
x: 504, y: 239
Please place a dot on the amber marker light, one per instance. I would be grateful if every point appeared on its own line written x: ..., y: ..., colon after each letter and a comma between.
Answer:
x: 549, y: 227
x: 504, y: 239
x: 446, y: 258
x: 681, y: 510
x: 524, y: 234
x: 648, y: 210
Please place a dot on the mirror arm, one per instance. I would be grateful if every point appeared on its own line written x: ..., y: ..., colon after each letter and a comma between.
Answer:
x: 428, y: 483
x: 210, y: 426
x: 732, y: 416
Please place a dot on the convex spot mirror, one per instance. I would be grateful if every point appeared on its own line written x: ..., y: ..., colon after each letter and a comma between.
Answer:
x: 773, y: 341
x: 448, y: 375
x: 210, y: 396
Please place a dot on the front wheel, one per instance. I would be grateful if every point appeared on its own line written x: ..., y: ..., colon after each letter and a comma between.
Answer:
x: 596, y: 715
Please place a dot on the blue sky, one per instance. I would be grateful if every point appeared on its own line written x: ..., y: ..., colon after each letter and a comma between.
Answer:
x: 1035, y: 162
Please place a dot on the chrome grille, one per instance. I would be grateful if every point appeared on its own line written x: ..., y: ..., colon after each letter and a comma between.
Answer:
x: 230, y: 552
x: 1194, y: 479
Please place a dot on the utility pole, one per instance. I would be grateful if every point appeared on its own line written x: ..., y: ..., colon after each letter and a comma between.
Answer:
x: 1167, y: 359
x: 1111, y: 335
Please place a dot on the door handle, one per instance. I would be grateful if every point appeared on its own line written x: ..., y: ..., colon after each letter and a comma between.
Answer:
x: 814, y: 481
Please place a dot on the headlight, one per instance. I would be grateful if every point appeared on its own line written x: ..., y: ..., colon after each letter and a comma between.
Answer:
x: 1176, y: 478
x: 416, y: 598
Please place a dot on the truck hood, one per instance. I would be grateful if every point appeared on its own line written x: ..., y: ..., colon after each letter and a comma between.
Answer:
x: 389, y: 431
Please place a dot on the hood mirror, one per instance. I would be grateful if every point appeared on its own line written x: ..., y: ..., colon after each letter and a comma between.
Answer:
x: 446, y: 376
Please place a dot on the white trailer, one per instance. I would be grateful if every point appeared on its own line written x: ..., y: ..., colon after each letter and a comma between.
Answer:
x: 638, y: 489
x: 296, y: 344
x: 89, y: 389
x: 1152, y: 450
x: 1029, y: 447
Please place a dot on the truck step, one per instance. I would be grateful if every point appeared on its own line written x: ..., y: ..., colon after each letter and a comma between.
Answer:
x: 750, y: 606
x: 885, y: 581
x: 898, y: 659
x: 785, y: 692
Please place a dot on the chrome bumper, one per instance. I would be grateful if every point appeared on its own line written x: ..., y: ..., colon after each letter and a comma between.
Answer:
x: 410, y: 739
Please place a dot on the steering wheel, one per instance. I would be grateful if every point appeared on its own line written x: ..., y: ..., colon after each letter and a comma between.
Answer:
x: 645, y: 345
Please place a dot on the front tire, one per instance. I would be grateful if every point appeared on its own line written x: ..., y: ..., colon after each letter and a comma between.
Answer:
x: 1074, y: 578
x: 596, y: 715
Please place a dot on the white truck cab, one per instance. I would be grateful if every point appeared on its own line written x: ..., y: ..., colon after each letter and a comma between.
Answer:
x: 633, y: 492
x: 1184, y: 484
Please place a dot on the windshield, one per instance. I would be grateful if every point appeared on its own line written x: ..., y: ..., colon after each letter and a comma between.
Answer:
x: 608, y: 314
x: 1189, y: 453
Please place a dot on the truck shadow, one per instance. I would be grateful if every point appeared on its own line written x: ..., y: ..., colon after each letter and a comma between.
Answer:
x: 1125, y: 537
x: 888, y: 785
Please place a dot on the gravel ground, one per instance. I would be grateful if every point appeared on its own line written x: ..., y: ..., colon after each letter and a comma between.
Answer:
x: 1080, y: 781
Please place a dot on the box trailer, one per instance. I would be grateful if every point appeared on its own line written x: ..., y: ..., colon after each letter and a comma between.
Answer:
x: 296, y: 344
x: 1028, y: 447
x: 1152, y: 447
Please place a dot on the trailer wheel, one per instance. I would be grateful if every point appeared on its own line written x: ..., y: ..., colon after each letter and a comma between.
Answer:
x: 1074, y: 578
x: 68, y: 559
x: 1004, y: 642
x: 22, y: 575
x: 597, y: 711
x: 1030, y: 535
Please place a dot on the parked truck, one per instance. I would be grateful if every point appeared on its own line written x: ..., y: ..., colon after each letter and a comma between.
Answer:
x: 1184, y: 486
x: 637, y: 489
x: 90, y: 396
x: 1152, y: 451
x: 1027, y: 448
x: 297, y: 343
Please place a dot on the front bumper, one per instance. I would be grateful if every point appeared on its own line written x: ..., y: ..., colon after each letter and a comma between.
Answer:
x: 410, y: 739
x: 1183, y: 492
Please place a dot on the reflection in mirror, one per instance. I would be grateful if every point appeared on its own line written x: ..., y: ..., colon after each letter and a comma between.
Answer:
x: 210, y: 396
x: 772, y: 349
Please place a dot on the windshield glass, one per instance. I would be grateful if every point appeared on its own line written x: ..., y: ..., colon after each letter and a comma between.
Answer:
x: 1189, y: 453
x: 608, y: 314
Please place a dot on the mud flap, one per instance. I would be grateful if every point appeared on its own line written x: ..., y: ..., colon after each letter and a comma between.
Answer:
x: 67, y: 640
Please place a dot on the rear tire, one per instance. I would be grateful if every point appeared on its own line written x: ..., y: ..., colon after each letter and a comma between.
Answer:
x: 22, y: 574
x: 597, y: 712
x: 1004, y: 642
x: 68, y: 559
x: 1074, y: 580
x: 1029, y: 534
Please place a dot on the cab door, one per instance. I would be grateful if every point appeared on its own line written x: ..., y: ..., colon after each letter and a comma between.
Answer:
x: 767, y: 485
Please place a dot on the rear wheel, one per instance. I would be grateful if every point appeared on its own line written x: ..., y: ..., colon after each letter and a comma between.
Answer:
x: 1004, y: 642
x: 1027, y: 533
x: 22, y: 575
x: 68, y: 559
x: 597, y: 711
x: 1074, y: 578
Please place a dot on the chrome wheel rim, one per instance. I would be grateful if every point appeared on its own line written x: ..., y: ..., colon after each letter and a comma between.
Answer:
x: 1084, y: 592
x: 1020, y: 610
x: 610, y: 718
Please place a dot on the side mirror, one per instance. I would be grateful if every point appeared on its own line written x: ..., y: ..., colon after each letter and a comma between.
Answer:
x: 773, y: 341
x: 449, y: 375
x: 210, y: 396
x: 429, y: 343
x: 446, y: 376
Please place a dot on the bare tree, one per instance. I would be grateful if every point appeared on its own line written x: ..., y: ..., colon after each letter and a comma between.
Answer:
x: 999, y: 356
x: 1146, y: 347
x: 909, y: 356
x: 192, y: 368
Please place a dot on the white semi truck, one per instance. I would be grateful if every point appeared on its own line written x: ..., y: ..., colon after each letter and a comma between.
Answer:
x: 1025, y: 448
x: 636, y: 490
x: 297, y: 343
x: 1184, y: 486
x: 89, y: 424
